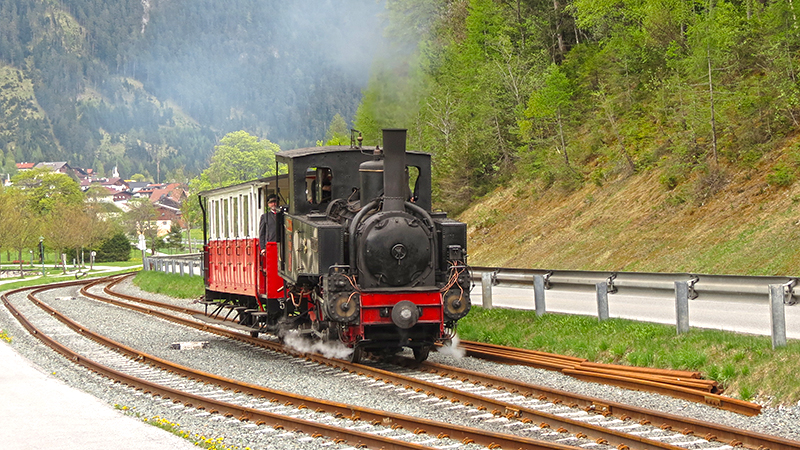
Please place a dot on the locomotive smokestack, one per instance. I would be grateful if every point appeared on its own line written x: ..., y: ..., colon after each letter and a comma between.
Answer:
x: 394, y: 170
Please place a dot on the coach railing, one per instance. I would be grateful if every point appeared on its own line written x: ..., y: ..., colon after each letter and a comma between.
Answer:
x: 775, y: 291
x: 189, y: 264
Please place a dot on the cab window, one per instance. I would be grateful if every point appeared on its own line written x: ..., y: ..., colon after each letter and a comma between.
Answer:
x: 319, y: 185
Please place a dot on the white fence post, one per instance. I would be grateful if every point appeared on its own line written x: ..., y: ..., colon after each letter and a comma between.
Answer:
x: 486, y: 289
x: 538, y: 295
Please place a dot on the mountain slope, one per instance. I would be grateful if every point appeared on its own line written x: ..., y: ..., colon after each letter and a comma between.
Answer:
x: 95, y: 76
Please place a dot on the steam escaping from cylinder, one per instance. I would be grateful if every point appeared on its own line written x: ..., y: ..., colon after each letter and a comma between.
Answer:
x: 453, y: 350
x: 298, y: 343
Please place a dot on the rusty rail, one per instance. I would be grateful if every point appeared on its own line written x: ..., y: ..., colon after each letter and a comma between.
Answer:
x: 675, y: 383
x: 709, y: 430
x: 377, y: 417
x: 719, y: 432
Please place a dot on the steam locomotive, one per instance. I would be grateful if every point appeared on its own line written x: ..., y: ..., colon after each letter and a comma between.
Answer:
x: 360, y: 257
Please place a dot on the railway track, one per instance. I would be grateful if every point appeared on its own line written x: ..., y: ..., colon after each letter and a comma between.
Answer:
x: 531, y: 407
x: 636, y: 418
x: 211, y: 394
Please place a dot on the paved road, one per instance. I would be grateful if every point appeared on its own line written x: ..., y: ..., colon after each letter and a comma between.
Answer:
x: 742, y: 317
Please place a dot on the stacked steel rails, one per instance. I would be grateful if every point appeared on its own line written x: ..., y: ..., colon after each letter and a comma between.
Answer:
x: 688, y: 385
x: 529, y: 406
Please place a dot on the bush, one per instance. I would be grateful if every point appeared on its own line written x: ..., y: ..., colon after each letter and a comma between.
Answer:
x: 782, y: 175
x: 116, y: 248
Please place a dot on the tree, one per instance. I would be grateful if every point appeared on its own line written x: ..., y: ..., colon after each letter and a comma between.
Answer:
x: 65, y: 228
x: 550, y: 106
x: 338, y: 132
x: 175, y: 237
x: 191, y: 214
x: 158, y: 151
x: 141, y: 219
x: 116, y: 248
x: 240, y: 157
x: 44, y: 189
x: 9, y: 165
x: 19, y: 227
x: 712, y: 38
x: 93, y: 227
x: 24, y: 231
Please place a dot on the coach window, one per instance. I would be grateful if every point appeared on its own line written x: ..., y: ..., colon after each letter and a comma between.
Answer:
x: 215, y: 208
x: 226, y: 218
x: 246, y: 215
x: 236, y: 224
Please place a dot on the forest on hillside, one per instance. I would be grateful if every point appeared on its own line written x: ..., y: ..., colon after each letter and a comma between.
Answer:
x: 556, y: 93
x: 151, y: 86
x: 560, y: 93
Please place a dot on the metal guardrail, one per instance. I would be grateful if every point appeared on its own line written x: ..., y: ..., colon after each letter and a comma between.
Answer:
x: 777, y: 292
x: 713, y: 287
x: 190, y: 264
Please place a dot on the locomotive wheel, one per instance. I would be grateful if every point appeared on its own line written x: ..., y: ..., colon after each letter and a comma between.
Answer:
x: 355, y: 357
x: 421, y: 353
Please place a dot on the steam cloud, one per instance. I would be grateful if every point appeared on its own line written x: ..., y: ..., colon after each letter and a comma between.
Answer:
x: 298, y: 343
x: 453, y: 350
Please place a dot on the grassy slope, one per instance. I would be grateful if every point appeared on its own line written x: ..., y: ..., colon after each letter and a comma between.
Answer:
x: 632, y: 224
x: 746, y: 366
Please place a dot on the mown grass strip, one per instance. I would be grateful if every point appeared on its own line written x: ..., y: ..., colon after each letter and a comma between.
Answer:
x: 170, y: 284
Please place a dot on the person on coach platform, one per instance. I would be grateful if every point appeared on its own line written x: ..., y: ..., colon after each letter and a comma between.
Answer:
x: 268, y: 225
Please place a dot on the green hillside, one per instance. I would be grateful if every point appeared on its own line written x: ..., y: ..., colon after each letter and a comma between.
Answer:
x: 589, y: 134
x: 560, y: 95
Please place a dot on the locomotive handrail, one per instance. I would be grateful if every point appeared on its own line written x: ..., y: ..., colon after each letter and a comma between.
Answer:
x: 745, y: 288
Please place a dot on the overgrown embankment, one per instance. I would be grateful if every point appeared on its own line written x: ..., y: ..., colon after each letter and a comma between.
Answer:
x: 735, y: 221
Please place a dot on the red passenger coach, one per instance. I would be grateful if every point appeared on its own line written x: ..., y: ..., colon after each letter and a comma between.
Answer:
x: 360, y: 257
x: 235, y: 267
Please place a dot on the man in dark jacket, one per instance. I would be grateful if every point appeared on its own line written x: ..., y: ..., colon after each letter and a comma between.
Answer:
x: 268, y: 225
